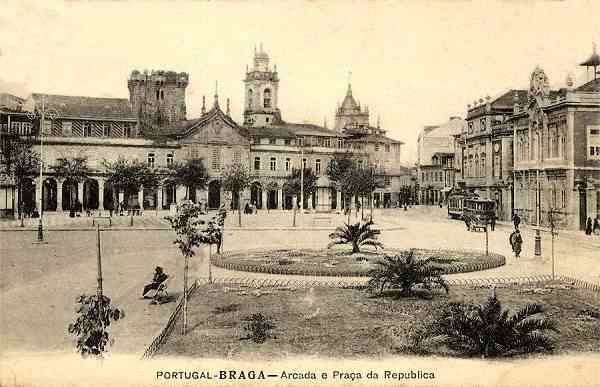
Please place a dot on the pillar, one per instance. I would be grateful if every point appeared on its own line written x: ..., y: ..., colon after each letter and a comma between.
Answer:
x: 264, y: 198
x: 59, y: 189
x: 38, y: 193
x: 80, y: 191
x: 279, y: 199
x: 159, y: 197
x: 100, y: 194
x: 338, y: 200
x: 141, y: 198
x: 591, y: 202
x: 16, y: 199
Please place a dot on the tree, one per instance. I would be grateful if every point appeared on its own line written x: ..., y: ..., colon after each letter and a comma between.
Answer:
x: 93, y: 317
x: 404, y: 272
x: 342, y: 173
x: 268, y: 187
x: 130, y: 176
x: 74, y: 169
x: 359, y: 234
x: 190, y: 235
x: 310, y: 182
x: 236, y: 178
x: 489, y: 331
x: 19, y: 160
x: 368, y: 180
x: 191, y: 174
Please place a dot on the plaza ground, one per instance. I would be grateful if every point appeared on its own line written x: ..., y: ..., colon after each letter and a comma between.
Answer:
x: 40, y: 283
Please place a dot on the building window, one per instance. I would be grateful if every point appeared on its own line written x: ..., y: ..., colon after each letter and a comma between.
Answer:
x: 237, y: 157
x: 387, y: 181
x: 126, y: 129
x: 169, y: 160
x: 482, y: 123
x: 287, y: 141
x: 303, y: 163
x: 318, y: 166
x: 387, y: 147
x: 106, y: 129
x: 267, y: 119
x: 273, y: 164
x: 267, y: 98
x: 257, y: 163
x: 593, y: 141
x: 340, y: 143
x: 249, y: 98
x: 327, y: 143
x: 482, y: 174
x: 215, y: 159
x: 87, y: 129
x: 470, y: 127
x: 151, y: 160
x: 287, y: 164
x: 271, y: 140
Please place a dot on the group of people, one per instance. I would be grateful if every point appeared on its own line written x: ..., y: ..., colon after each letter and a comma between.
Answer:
x: 250, y: 208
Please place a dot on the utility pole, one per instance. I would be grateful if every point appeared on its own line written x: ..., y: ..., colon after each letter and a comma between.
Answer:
x: 302, y: 177
x: 99, y: 264
x: 538, y: 238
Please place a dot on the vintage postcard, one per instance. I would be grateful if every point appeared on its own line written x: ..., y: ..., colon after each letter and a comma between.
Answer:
x: 299, y: 193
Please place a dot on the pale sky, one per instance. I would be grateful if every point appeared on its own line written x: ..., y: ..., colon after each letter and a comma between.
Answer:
x: 412, y: 63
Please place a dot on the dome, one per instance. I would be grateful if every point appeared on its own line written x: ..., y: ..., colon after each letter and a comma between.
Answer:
x: 349, y: 102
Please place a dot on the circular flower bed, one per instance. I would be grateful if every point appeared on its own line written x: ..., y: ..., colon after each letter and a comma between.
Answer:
x: 337, y: 262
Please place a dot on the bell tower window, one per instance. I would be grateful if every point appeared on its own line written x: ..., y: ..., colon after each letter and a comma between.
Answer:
x: 267, y: 98
x: 249, y: 98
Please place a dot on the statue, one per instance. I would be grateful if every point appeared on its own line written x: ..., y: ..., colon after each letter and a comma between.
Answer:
x: 539, y: 91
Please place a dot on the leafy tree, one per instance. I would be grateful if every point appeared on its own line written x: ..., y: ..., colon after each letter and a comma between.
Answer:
x: 342, y: 172
x: 236, y: 178
x: 93, y: 317
x: 489, y: 331
x: 294, y: 183
x: 268, y: 187
x: 404, y: 272
x: 359, y: 234
x: 192, y: 174
x: 74, y: 169
x: 368, y: 180
x: 18, y: 160
x: 130, y: 176
x: 189, y: 236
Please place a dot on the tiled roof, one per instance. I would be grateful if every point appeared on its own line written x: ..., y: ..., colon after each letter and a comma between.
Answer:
x: 87, y: 107
x: 507, y: 99
x: 593, y: 86
x: 373, y: 138
x: 449, y: 128
x: 182, y: 128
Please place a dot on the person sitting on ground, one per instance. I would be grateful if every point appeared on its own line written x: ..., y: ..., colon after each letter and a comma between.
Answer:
x: 159, y: 277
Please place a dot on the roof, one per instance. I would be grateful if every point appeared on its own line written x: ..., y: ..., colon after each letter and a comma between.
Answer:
x: 87, y: 107
x: 374, y: 138
x: 593, y: 60
x: 182, y: 128
x: 10, y: 102
x: 593, y: 86
x: 349, y: 102
x: 507, y: 99
x: 449, y: 128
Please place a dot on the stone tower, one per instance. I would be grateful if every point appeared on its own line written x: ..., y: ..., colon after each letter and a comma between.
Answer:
x: 261, y: 90
x: 350, y: 116
x: 157, y: 98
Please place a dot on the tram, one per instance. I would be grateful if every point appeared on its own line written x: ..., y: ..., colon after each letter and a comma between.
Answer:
x: 478, y: 212
x: 456, y: 204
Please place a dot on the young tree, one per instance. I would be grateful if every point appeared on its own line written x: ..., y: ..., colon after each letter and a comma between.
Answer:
x: 93, y: 317
x: 268, y: 187
x: 191, y: 174
x: 130, y: 176
x: 236, y: 178
x: 342, y: 173
x: 368, y: 180
x: 20, y: 161
x: 190, y: 235
x: 310, y: 183
x: 74, y: 169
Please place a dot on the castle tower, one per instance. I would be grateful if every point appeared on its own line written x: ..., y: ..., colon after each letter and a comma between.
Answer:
x: 261, y: 91
x: 350, y: 116
x: 157, y: 98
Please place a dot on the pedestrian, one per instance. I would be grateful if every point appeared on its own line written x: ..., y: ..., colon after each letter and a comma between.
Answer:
x: 493, y: 221
x: 588, y: 227
x: 516, y: 221
x: 516, y: 241
x: 596, y: 226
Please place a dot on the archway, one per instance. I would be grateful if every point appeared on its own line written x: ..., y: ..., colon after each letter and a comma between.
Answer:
x: 333, y: 198
x: 90, y: 194
x: 49, y: 192
x: 69, y: 195
x: 169, y: 195
x: 288, y: 197
x: 27, y: 196
x: 150, y: 197
x: 256, y: 194
x: 214, y: 194
x: 110, y: 197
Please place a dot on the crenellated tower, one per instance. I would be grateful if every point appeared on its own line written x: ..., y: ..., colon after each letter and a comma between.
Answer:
x: 157, y: 98
x: 261, y: 91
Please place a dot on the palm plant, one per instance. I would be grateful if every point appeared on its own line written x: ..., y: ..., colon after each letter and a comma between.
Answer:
x: 489, y: 331
x: 358, y: 234
x: 404, y: 272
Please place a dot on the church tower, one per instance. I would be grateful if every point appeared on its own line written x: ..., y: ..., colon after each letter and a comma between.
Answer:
x: 261, y: 90
x: 157, y: 98
x: 350, y: 117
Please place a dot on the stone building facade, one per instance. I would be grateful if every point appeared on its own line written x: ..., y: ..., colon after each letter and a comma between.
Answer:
x: 152, y: 126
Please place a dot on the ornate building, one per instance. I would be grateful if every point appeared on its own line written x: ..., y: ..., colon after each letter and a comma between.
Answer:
x: 151, y: 126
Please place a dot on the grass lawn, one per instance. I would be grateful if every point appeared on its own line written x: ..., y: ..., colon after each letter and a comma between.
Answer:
x: 341, y: 261
x: 346, y: 323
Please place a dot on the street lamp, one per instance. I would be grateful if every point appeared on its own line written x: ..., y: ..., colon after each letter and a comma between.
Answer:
x: 537, y: 249
x: 42, y: 114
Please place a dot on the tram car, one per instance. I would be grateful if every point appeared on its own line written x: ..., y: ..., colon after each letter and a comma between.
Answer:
x: 478, y: 212
x: 456, y: 204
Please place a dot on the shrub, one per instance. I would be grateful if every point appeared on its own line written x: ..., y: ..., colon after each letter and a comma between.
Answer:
x: 258, y: 328
x: 404, y: 272
x: 91, y: 323
x: 359, y: 234
x: 489, y: 331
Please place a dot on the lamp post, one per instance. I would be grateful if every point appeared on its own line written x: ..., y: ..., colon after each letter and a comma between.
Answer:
x: 301, y: 176
x: 42, y: 114
x: 537, y: 249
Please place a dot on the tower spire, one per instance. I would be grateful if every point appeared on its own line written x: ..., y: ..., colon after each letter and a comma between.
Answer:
x: 216, y: 93
x: 228, y: 110
x: 349, y: 83
x: 203, y: 105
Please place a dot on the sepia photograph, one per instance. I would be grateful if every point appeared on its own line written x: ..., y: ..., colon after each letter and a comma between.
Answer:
x: 299, y: 193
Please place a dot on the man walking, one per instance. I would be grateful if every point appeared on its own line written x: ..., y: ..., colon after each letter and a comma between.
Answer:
x: 516, y: 221
x: 516, y: 242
